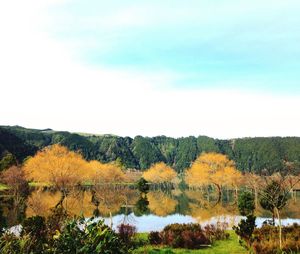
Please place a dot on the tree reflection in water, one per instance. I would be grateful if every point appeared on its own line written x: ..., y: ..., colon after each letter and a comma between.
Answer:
x: 128, y: 202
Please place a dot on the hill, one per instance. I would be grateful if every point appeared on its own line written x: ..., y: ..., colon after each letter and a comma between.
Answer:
x: 250, y: 154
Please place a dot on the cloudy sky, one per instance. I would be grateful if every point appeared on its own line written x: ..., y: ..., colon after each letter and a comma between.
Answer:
x: 224, y: 68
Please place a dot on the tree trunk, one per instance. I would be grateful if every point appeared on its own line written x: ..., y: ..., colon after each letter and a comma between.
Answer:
x: 256, y: 198
x: 219, y: 193
x: 280, y: 228
x: 111, y: 220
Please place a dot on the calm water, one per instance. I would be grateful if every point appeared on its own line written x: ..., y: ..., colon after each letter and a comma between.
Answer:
x: 148, y: 212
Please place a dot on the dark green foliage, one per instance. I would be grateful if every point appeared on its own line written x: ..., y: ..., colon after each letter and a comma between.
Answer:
x: 143, y: 185
x: 186, y: 153
x: 146, y: 152
x: 266, y: 239
x: 246, y: 203
x: 10, y: 143
x: 75, y: 236
x: 250, y: 154
x: 246, y: 226
x: 245, y: 230
x: 94, y: 238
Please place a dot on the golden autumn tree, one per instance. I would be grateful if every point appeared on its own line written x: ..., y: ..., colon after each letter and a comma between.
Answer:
x: 104, y: 173
x: 56, y: 165
x: 213, y: 169
x: 160, y: 173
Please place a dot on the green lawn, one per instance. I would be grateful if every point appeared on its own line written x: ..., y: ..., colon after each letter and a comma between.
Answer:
x: 230, y: 246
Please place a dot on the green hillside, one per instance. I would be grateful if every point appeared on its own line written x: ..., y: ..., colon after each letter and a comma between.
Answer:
x: 250, y: 154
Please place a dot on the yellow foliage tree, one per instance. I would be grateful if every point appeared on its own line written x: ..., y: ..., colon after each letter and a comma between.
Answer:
x: 160, y: 173
x: 56, y: 165
x: 213, y: 169
x: 104, y: 173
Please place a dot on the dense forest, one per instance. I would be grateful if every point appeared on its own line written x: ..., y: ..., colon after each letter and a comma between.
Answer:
x: 250, y: 154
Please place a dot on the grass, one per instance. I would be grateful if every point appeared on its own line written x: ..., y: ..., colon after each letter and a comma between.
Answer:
x: 3, y: 187
x: 230, y: 246
x: 39, y: 184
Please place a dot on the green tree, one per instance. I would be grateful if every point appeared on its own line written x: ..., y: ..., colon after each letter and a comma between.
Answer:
x: 246, y: 226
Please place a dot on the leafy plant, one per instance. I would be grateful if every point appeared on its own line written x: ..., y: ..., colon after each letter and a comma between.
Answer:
x: 87, y: 237
x: 246, y: 226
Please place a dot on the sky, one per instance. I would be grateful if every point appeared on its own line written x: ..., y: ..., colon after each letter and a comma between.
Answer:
x: 224, y: 68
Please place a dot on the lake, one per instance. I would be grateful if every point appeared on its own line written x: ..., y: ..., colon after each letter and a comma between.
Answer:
x: 148, y: 212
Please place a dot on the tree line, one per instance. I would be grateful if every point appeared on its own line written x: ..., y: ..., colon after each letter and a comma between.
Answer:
x: 257, y: 155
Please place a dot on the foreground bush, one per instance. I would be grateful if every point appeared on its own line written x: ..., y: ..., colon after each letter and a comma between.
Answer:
x: 266, y: 239
x: 126, y: 233
x: 75, y: 236
x: 189, y: 236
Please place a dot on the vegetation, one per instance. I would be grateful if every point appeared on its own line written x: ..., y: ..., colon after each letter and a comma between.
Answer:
x: 160, y: 173
x: 74, y: 236
x: 73, y: 166
x: 246, y: 226
x: 266, y: 240
x: 56, y: 165
x: 228, y: 246
x: 213, y: 169
x: 250, y: 154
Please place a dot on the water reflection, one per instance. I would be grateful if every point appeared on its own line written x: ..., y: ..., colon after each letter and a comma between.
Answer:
x: 130, y: 206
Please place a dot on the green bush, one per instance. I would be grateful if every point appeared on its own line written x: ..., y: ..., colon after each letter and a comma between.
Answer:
x: 74, y: 236
x: 87, y: 238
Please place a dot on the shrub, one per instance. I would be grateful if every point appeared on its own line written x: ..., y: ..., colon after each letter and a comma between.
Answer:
x: 35, y: 228
x: 154, y: 238
x: 75, y: 236
x: 88, y: 237
x: 266, y: 239
x: 190, y: 236
x: 126, y: 233
x: 216, y: 232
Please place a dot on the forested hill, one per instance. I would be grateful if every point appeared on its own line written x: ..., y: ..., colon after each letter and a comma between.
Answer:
x: 250, y: 154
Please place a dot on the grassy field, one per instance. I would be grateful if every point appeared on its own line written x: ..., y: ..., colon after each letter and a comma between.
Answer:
x: 230, y: 246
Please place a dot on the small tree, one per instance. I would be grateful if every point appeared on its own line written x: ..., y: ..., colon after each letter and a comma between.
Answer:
x: 246, y: 226
x: 14, y: 177
x: 273, y: 198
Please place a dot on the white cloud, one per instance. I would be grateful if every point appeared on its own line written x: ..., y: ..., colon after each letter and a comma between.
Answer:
x: 43, y: 85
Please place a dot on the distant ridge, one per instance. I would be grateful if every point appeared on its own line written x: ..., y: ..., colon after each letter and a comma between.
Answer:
x: 250, y: 154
